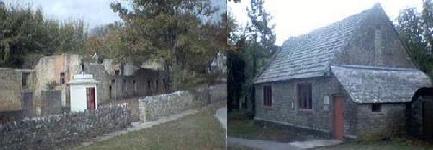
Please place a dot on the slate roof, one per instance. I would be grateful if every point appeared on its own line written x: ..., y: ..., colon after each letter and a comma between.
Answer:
x: 310, y: 55
x: 367, y: 84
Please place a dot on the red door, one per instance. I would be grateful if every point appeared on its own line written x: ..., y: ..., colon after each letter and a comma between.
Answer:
x: 338, y: 117
x: 91, y: 98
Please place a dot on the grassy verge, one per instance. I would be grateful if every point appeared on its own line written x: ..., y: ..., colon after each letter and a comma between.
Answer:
x: 198, y: 131
x: 241, y: 127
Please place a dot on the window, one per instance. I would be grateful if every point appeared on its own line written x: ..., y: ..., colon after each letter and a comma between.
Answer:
x: 82, y: 67
x: 24, y: 78
x: 267, y: 95
x: 148, y: 84
x: 116, y: 72
x: 135, y: 86
x: 110, y: 89
x: 304, y: 96
x: 376, y: 107
x: 157, y: 84
x: 62, y: 78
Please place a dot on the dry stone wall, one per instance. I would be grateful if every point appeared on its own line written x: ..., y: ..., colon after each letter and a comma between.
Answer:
x: 154, y: 107
x: 63, y: 131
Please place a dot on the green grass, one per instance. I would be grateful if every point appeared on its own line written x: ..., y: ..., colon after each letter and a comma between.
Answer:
x: 241, y: 127
x: 392, y: 144
x: 198, y: 131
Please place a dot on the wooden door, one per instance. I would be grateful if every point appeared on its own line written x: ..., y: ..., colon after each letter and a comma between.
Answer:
x: 427, y: 117
x: 338, y: 117
x: 91, y: 98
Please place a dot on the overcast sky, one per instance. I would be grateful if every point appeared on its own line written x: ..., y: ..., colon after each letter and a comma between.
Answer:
x: 93, y: 12
x: 296, y: 17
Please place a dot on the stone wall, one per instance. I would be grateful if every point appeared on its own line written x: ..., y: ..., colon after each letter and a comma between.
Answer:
x: 285, y: 108
x: 10, y: 90
x: 359, y: 120
x: 142, y: 82
x: 375, y: 43
x: 389, y: 122
x: 63, y: 131
x: 153, y: 107
x: 49, y: 70
x: 52, y: 102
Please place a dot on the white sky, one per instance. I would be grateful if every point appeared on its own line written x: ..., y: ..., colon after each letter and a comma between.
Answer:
x: 296, y: 17
x: 93, y: 12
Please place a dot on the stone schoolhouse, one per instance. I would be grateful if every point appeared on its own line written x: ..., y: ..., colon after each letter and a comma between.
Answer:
x: 352, y: 79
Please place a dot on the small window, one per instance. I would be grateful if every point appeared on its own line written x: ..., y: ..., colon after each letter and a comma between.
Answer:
x: 376, y: 108
x: 24, y: 78
x: 110, y: 89
x: 157, y: 84
x: 148, y: 84
x: 305, y: 96
x: 82, y: 67
x: 267, y: 95
x: 62, y: 78
x: 133, y: 81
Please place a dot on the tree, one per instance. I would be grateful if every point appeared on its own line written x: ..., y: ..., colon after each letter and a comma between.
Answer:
x: 26, y: 36
x: 254, y: 45
x: 416, y: 32
x: 172, y: 30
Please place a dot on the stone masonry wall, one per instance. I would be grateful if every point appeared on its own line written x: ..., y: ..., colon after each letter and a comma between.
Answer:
x: 153, y: 107
x: 390, y: 121
x: 63, y: 131
x: 285, y: 107
x: 10, y: 90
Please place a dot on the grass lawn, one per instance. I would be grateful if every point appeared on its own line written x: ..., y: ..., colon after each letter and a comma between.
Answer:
x: 241, y: 127
x: 198, y: 131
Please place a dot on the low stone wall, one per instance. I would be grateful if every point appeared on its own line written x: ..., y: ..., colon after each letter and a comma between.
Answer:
x: 63, y: 131
x: 153, y: 107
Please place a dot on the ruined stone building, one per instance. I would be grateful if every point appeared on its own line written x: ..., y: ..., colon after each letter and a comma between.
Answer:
x: 44, y: 90
x: 351, y: 79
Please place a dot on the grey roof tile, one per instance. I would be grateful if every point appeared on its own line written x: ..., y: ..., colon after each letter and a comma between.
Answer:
x: 309, y: 55
x: 367, y: 84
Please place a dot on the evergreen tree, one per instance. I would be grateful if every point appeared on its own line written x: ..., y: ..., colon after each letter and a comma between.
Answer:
x: 416, y: 33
